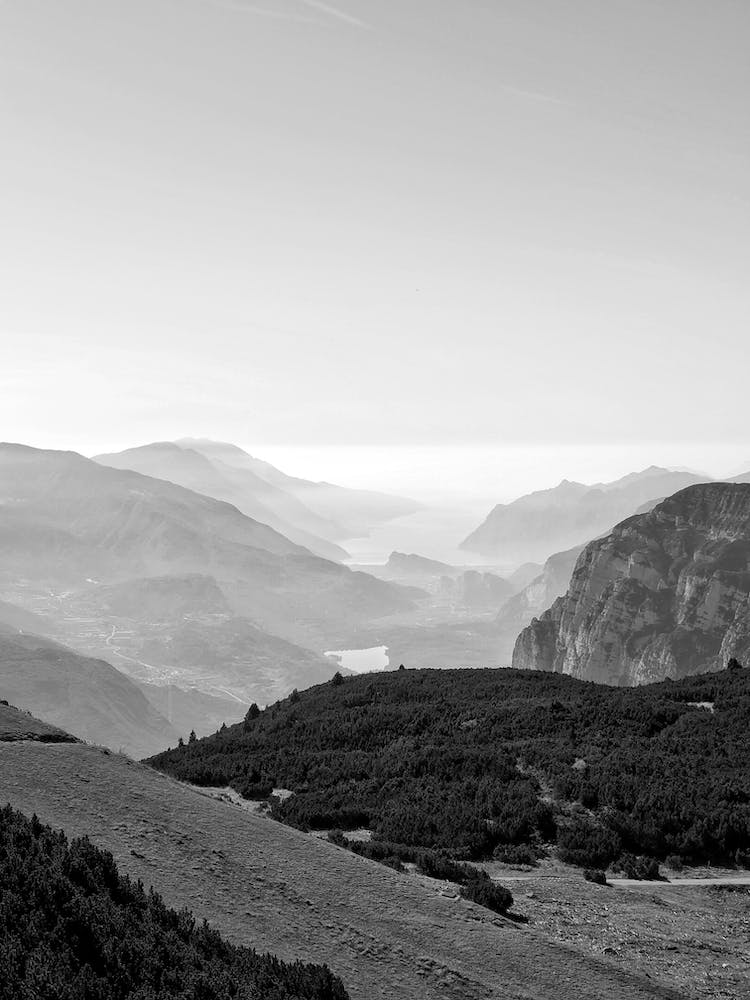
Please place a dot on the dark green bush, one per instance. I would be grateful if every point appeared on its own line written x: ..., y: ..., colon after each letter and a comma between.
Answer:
x: 480, y: 888
x: 595, y: 875
x: 585, y: 842
x: 640, y: 867
x: 73, y: 928
x: 517, y: 854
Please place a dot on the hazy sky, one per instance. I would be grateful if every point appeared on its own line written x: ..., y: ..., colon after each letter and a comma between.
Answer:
x: 424, y: 223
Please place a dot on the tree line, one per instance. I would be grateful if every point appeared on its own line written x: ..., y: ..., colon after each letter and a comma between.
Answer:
x: 503, y: 763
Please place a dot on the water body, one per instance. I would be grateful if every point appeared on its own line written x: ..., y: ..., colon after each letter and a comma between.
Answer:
x: 362, y: 661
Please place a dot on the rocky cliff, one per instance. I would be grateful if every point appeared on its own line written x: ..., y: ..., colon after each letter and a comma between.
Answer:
x: 665, y: 594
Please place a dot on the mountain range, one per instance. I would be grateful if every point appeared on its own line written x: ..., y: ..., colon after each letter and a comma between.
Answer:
x: 538, y: 524
x: 315, y: 515
x: 665, y: 594
x: 76, y: 524
x: 202, y: 606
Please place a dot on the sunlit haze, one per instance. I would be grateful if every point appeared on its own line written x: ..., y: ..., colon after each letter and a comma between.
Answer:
x: 449, y: 249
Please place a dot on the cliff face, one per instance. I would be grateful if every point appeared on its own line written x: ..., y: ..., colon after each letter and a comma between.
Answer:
x: 535, y: 597
x: 665, y: 594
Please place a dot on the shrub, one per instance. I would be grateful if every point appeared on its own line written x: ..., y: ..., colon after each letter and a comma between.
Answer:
x: 255, y: 791
x: 516, y: 854
x: 595, y: 875
x: 480, y: 888
x: 641, y: 867
x: 73, y: 928
x: 586, y: 843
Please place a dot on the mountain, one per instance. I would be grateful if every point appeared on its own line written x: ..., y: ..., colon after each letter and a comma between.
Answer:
x: 347, y: 513
x: 163, y: 598
x: 525, y: 574
x: 75, y: 518
x: 278, y: 890
x: 20, y: 620
x: 401, y: 564
x: 83, y: 696
x: 476, y: 590
x: 743, y: 478
x: 70, y: 525
x: 241, y: 487
x: 233, y: 657
x: 665, y: 594
x: 536, y: 597
x: 570, y: 514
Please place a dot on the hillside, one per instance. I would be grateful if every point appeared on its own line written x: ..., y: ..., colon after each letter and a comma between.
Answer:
x: 84, y: 696
x: 72, y: 927
x: 470, y: 589
x: 340, y: 513
x: 483, y: 761
x: 190, y: 709
x: 665, y: 594
x: 538, y: 524
x: 18, y: 725
x: 70, y: 526
x: 410, y: 564
x: 273, y: 888
x: 241, y: 487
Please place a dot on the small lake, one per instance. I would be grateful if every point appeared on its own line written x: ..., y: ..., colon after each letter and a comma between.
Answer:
x: 361, y: 661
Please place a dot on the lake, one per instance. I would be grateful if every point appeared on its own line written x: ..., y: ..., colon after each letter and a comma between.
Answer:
x: 361, y: 661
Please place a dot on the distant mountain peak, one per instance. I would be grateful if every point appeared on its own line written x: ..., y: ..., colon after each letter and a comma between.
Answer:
x: 540, y: 523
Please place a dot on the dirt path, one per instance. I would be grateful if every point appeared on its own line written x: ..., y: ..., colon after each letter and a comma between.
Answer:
x: 678, y: 883
x: 388, y: 935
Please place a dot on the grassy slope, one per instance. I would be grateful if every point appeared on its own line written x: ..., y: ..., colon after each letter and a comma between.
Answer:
x: 18, y: 725
x: 263, y: 884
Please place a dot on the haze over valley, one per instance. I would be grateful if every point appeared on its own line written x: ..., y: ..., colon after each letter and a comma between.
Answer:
x: 374, y: 500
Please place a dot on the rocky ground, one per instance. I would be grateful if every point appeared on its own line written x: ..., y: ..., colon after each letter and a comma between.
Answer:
x: 694, y: 938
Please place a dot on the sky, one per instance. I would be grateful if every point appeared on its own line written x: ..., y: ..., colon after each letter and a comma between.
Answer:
x: 422, y: 244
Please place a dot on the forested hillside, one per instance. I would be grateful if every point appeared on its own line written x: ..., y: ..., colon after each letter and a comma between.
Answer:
x: 478, y: 762
x: 73, y: 928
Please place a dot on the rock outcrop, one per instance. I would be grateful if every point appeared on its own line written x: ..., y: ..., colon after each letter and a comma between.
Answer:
x: 665, y: 594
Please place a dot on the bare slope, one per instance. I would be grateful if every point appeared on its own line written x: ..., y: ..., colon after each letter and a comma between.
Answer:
x: 263, y: 884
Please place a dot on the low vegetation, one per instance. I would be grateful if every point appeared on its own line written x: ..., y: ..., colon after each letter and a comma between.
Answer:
x: 475, y: 883
x: 73, y: 928
x: 478, y: 763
